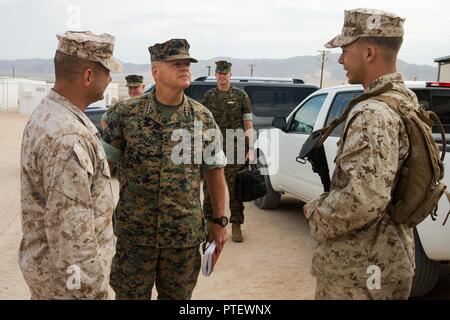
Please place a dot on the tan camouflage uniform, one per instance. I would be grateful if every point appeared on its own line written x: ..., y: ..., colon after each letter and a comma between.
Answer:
x: 67, y: 203
x: 351, y: 222
x: 67, y: 200
x: 160, y: 223
x: 229, y: 109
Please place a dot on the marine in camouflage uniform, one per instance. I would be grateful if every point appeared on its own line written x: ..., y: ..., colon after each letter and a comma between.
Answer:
x: 135, y: 85
x: 231, y: 108
x: 67, y: 201
x: 159, y: 220
x: 362, y: 252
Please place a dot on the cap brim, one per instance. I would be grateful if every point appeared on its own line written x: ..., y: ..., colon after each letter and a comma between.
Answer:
x: 181, y: 57
x: 113, y: 65
x: 133, y: 84
x: 339, y: 41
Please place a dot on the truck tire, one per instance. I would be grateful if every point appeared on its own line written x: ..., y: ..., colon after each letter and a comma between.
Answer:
x: 272, y: 198
x: 426, y: 273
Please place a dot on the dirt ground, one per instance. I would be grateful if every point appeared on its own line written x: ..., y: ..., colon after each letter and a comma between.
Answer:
x: 272, y: 263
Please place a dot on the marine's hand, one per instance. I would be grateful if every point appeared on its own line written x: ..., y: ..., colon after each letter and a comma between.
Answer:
x: 309, y: 207
x: 250, y: 156
x: 220, y: 235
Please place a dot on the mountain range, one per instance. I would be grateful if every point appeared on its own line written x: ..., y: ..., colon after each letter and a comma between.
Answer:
x: 302, y: 67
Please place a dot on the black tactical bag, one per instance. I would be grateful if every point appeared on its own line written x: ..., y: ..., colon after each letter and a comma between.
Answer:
x: 250, y: 184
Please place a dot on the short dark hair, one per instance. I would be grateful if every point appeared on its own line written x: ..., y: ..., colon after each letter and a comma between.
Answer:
x: 389, y: 45
x: 67, y: 66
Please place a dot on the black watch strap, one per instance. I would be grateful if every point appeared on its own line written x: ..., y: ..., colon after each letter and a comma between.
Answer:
x: 223, y: 221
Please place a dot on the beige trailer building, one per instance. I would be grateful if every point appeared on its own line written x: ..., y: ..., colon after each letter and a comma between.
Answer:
x: 443, y: 69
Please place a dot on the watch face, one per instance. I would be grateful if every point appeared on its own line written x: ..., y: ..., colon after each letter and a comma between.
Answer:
x: 224, y: 221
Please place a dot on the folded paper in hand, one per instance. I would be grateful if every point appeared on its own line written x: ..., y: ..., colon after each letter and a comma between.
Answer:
x: 207, y: 266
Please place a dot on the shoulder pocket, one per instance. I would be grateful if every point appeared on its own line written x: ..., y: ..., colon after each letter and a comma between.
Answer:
x: 83, y: 158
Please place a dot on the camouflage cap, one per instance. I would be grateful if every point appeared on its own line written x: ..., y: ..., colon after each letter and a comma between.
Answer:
x: 223, y: 66
x: 367, y: 23
x: 89, y: 46
x: 174, y: 49
x: 134, y: 80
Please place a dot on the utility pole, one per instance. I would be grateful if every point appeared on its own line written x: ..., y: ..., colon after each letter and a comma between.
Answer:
x: 251, y: 69
x: 209, y: 70
x: 13, y: 73
x: 323, y: 52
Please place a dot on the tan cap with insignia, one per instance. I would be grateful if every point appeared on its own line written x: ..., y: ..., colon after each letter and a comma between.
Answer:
x: 89, y: 46
x: 367, y: 23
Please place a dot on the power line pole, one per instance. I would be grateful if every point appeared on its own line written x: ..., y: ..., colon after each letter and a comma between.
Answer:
x: 323, y: 52
x: 209, y: 70
x: 14, y: 73
x: 251, y: 69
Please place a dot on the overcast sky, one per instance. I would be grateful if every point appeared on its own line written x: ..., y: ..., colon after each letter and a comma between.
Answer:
x: 227, y: 28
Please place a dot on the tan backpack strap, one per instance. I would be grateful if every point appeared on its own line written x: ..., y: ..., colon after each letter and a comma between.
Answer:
x: 448, y: 198
x: 336, y: 122
x: 433, y: 118
x: 438, y: 123
x: 391, y: 102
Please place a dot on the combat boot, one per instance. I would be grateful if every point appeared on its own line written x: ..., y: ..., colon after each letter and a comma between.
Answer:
x: 236, y: 233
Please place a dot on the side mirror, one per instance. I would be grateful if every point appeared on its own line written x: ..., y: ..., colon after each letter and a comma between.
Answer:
x: 279, y: 122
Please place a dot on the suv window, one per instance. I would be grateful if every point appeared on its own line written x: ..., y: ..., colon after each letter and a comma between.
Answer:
x: 440, y: 102
x: 198, y: 91
x: 338, y: 106
x: 437, y: 100
x: 275, y: 101
x: 304, y: 119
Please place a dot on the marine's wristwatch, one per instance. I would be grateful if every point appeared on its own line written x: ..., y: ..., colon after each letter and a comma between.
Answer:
x: 223, y: 221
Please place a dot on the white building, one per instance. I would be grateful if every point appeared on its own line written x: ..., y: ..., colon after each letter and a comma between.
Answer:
x: 443, y: 69
x: 31, y: 93
x: 110, y: 96
x: 27, y: 94
x: 9, y: 94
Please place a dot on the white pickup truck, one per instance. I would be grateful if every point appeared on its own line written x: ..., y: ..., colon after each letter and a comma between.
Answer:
x: 278, y: 149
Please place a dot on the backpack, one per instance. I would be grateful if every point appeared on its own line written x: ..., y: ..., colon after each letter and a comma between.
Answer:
x: 418, y: 182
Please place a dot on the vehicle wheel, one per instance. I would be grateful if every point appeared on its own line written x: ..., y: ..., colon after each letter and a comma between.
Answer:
x: 272, y: 198
x: 426, y: 273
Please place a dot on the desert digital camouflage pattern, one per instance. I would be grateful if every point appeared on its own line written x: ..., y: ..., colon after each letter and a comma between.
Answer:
x: 367, y: 23
x: 395, y: 291
x: 173, y: 49
x: 351, y: 222
x: 229, y: 109
x: 89, y: 46
x: 67, y: 204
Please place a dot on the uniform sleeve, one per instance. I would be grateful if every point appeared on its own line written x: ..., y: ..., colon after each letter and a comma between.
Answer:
x: 246, y: 108
x: 205, y: 99
x: 368, y: 164
x: 69, y: 222
x: 113, y: 140
x: 214, y: 157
